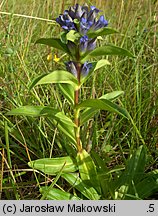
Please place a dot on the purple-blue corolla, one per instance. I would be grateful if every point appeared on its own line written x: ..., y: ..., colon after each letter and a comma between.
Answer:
x: 86, y: 17
x: 71, y: 66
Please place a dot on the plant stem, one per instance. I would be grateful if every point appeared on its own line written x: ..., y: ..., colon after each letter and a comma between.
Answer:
x: 76, y: 112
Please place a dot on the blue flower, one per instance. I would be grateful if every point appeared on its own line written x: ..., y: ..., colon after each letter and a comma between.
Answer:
x: 83, y: 44
x: 87, y: 19
x: 85, y: 25
x: 71, y: 66
x: 86, y: 67
x: 91, y: 44
x: 100, y: 23
x: 93, y: 8
x: 66, y: 22
x: 87, y: 44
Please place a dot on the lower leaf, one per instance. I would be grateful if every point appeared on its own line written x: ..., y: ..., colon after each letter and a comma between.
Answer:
x: 76, y: 182
x: 148, y: 186
x: 52, y: 166
x: 56, y: 194
x: 87, y: 169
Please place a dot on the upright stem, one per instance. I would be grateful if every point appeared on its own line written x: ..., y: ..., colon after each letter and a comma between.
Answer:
x: 76, y: 111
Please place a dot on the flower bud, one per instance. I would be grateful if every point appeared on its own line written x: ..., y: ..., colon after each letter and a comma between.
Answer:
x: 83, y: 44
x: 71, y: 67
x: 86, y: 67
x: 91, y: 44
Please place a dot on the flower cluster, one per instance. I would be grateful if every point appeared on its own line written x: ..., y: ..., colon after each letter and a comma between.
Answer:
x: 87, y: 19
x: 82, y: 20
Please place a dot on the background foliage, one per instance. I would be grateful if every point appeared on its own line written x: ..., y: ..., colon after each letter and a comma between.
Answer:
x: 114, y: 138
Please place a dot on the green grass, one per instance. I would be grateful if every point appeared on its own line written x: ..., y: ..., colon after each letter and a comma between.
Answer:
x: 113, y: 137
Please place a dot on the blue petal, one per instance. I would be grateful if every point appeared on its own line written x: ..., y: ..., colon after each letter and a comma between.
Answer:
x: 85, y: 9
x: 83, y: 39
x: 93, y: 8
x: 71, y: 67
x: 78, y: 11
x: 103, y: 21
x: 71, y: 12
x: 84, y: 25
x: 91, y: 44
x: 86, y: 68
x: 83, y: 43
x: 65, y: 27
x: 88, y: 19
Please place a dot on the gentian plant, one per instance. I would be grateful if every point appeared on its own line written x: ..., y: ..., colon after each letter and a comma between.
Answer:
x: 83, y: 170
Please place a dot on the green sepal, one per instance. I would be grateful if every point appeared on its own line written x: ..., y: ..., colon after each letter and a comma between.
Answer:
x: 73, y: 36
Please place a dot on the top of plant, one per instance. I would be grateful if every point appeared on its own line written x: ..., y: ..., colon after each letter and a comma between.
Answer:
x: 81, y: 19
x: 82, y: 26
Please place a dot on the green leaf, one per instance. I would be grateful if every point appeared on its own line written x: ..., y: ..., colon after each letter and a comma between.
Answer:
x: 107, y: 50
x: 52, y: 166
x: 103, y: 175
x: 68, y: 130
x: 53, y: 42
x: 100, y: 164
x: 55, y: 180
x: 72, y: 35
x: 60, y: 120
x: 136, y: 165
x: 63, y: 37
x: 87, y: 169
x: 76, y: 182
x: 36, y: 111
x: 56, y: 194
x: 35, y: 80
x: 101, y: 63
x: 134, y: 171
x: 112, y: 95
x: 68, y: 92
x: 58, y: 76
x: 103, y: 104
x: 101, y: 32
x: 89, y: 112
x: 148, y: 186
